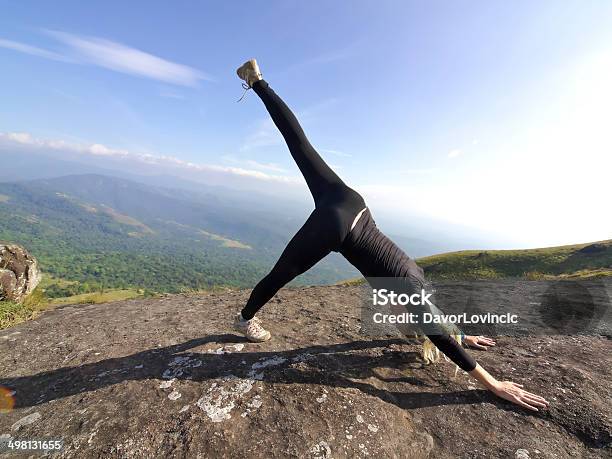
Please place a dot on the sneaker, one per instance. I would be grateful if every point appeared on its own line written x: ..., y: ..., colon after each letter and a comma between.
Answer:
x: 252, y: 329
x: 249, y: 72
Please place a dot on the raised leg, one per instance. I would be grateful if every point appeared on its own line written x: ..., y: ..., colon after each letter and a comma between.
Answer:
x: 318, y: 175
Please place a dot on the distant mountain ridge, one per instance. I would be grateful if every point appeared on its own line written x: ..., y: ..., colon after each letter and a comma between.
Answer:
x: 109, y: 232
x: 417, y: 236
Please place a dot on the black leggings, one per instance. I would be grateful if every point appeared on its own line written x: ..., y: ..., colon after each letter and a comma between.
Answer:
x: 328, y: 228
x: 336, y: 206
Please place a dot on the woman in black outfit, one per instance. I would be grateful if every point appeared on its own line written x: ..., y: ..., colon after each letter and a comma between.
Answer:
x: 341, y: 222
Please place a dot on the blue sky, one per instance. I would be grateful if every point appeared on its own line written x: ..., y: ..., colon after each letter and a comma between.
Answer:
x: 492, y: 115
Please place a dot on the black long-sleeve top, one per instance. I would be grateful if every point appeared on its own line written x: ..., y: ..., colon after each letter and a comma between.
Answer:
x: 377, y: 256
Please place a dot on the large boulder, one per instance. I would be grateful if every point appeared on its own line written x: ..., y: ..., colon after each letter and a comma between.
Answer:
x: 19, y: 273
x: 169, y: 378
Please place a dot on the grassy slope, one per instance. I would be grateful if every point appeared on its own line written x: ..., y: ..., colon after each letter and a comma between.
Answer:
x: 563, y: 261
x: 568, y: 261
x: 14, y: 313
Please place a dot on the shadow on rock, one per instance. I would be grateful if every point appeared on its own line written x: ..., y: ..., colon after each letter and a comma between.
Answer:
x: 336, y: 365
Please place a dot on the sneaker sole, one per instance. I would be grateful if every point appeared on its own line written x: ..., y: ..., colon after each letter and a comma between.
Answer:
x: 267, y: 338
x: 253, y: 340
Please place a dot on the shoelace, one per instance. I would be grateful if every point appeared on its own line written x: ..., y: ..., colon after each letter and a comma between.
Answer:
x: 246, y: 87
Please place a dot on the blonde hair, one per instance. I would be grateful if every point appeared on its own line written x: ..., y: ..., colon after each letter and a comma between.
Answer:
x: 431, y: 354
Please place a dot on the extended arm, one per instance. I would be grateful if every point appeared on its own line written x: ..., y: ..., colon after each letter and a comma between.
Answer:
x: 508, y: 390
x: 505, y: 389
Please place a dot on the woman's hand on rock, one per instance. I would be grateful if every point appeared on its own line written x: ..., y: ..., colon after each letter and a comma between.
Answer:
x: 479, y: 342
x: 515, y: 393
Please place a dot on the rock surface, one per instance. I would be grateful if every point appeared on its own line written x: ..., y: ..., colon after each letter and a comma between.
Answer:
x: 168, y: 377
x: 19, y: 273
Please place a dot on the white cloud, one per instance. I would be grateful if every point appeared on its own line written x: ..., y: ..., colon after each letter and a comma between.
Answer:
x: 122, y: 58
x: 32, y: 50
x: 114, y: 56
x: 103, y: 150
x: 26, y: 140
x: 19, y: 137
x: 255, y: 164
x: 454, y: 153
